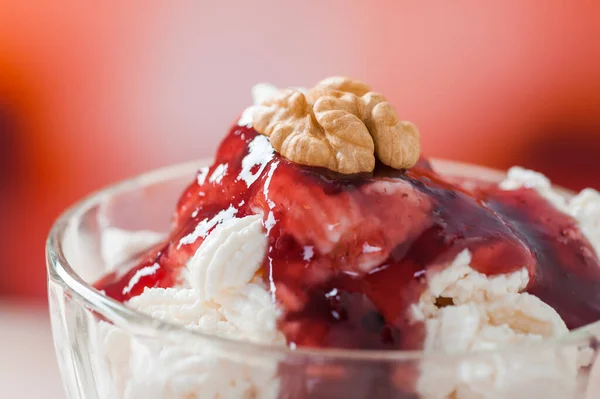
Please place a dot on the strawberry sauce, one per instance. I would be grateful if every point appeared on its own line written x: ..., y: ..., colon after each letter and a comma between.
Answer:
x: 348, y: 254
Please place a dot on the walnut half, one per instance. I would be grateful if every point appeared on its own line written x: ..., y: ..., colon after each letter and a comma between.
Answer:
x: 340, y: 125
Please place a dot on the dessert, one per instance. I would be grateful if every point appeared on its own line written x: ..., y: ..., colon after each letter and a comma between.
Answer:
x: 319, y: 225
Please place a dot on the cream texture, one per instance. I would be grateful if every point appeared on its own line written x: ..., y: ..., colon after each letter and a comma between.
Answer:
x: 583, y: 207
x: 222, y: 295
x: 179, y: 368
x: 485, y: 310
x: 488, y: 313
x: 228, y: 258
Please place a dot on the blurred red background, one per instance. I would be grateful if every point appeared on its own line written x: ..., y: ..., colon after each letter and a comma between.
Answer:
x: 90, y: 94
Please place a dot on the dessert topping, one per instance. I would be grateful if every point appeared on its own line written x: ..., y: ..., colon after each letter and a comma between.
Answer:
x: 340, y: 125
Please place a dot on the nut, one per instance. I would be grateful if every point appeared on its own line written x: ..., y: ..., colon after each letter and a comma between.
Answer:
x: 340, y: 125
x: 397, y: 143
x: 325, y: 135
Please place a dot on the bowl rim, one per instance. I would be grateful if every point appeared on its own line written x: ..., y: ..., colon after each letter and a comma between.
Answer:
x: 60, y: 271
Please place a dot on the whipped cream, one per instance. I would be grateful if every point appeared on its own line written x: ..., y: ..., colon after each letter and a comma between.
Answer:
x: 221, y: 295
x: 178, y: 368
x: 224, y: 287
x: 488, y: 313
x: 518, y: 177
x: 583, y: 207
x: 482, y: 308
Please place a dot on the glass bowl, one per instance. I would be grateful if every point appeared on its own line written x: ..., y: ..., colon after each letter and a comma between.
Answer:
x: 106, y: 350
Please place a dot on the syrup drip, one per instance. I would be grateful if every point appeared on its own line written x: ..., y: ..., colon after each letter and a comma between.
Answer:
x: 348, y: 254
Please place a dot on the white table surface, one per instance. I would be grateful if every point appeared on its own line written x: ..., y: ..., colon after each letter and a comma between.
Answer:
x: 28, y: 367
